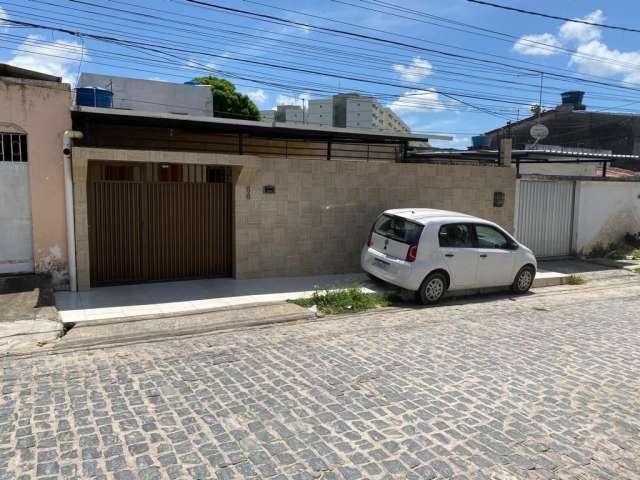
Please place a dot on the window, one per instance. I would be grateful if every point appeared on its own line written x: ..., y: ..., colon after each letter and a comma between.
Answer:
x: 169, y: 172
x: 13, y: 147
x: 218, y: 174
x: 455, y: 235
x: 399, y: 229
x: 489, y: 237
x: 118, y: 173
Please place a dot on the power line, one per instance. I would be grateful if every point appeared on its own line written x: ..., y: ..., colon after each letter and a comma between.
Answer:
x: 554, y: 17
x: 484, y: 32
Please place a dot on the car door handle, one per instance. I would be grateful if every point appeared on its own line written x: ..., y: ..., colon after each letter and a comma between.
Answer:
x: 449, y: 255
x: 483, y: 255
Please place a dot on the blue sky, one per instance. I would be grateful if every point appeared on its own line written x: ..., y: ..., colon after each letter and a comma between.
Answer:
x: 443, y: 74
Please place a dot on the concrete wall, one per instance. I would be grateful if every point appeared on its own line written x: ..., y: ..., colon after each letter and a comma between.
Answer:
x: 16, y: 252
x: 321, y: 212
x: 42, y: 110
x: 153, y: 96
x: 604, y: 212
x: 568, y: 169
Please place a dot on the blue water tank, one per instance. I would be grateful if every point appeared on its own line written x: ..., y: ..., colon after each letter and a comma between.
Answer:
x: 94, y: 97
x: 480, y: 141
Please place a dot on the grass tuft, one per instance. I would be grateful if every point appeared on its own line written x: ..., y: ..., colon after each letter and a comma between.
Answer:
x: 575, y: 280
x: 345, y: 300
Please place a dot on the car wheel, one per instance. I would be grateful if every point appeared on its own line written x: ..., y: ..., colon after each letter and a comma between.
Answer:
x: 432, y: 289
x: 524, y: 279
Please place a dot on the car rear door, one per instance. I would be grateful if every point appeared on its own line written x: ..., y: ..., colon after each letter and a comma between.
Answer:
x: 457, y: 248
x: 394, y: 235
x: 495, y: 256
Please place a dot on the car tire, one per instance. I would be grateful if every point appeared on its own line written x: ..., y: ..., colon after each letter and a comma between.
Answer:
x: 524, y: 279
x: 432, y: 289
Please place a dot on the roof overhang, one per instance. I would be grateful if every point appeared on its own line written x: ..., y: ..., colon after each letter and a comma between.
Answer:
x: 113, y: 115
x: 10, y: 71
x: 527, y: 154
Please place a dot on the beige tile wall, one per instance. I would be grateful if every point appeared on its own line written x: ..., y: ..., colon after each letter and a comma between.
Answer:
x: 320, y: 215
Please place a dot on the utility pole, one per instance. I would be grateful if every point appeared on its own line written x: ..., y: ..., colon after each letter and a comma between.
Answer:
x: 540, y: 96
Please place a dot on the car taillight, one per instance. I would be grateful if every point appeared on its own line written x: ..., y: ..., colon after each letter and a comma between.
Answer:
x: 412, y: 252
x: 370, y: 240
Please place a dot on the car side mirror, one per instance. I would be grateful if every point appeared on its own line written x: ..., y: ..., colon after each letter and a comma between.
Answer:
x: 513, y: 245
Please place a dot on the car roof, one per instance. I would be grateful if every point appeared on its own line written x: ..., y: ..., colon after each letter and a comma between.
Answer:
x: 426, y: 215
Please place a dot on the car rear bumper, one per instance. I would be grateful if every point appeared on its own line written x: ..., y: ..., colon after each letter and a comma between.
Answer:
x: 393, y: 270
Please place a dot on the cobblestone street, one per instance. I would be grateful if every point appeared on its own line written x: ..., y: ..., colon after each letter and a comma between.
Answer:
x: 541, y: 386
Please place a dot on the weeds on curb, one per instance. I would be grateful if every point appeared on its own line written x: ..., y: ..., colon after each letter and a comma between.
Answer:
x: 344, y: 300
x: 575, y: 280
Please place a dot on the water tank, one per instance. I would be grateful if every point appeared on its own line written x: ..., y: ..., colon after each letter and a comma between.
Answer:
x: 94, y: 97
x: 573, y: 97
x: 480, y: 141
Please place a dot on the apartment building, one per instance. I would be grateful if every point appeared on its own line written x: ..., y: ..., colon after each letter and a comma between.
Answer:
x: 351, y: 110
x: 284, y: 114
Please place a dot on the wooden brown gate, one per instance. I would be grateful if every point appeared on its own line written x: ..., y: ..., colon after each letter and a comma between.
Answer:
x: 150, y: 230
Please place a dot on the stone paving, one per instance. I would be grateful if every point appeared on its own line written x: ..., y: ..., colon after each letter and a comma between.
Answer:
x: 541, y: 386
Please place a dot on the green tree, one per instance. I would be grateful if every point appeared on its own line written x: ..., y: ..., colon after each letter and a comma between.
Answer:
x: 227, y: 101
x: 536, y: 109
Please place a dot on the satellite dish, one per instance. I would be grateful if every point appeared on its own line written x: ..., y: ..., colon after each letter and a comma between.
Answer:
x: 539, y: 132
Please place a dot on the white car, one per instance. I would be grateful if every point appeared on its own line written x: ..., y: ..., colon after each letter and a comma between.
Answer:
x: 432, y: 251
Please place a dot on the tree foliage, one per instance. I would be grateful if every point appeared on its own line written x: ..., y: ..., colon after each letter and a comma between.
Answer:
x: 227, y: 101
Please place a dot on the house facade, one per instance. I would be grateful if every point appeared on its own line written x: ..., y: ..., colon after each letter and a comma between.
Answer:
x: 161, y: 197
x: 572, y: 125
x: 34, y: 114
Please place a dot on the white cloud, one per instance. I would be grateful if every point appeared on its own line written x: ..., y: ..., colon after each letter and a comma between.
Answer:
x: 415, y: 71
x: 620, y: 63
x: 580, y: 32
x: 530, y: 44
x: 59, y: 58
x: 158, y: 79
x: 257, y: 96
x: 291, y: 100
x: 416, y: 101
x: 3, y: 15
x: 568, y: 33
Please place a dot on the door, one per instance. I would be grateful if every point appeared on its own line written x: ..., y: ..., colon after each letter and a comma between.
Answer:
x: 456, y: 246
x: 495, y: 257
x: 545, y: 217
x: 16, y: 246
x: 159, y: 222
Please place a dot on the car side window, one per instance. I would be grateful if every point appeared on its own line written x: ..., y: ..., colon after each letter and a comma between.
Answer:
x: 489, y: 237
x: 455, y: 235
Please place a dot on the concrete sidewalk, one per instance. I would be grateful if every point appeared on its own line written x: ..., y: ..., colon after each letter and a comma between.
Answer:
x: 192, y: 296
x: 28, y: 317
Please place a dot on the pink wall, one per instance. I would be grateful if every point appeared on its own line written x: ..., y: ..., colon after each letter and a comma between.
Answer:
x: 42, y: 109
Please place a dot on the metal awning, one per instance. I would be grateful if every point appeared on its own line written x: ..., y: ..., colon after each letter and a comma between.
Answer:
x: 274, y: 130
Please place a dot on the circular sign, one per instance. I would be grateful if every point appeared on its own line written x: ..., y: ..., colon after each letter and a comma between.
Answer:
x: 539, y: 131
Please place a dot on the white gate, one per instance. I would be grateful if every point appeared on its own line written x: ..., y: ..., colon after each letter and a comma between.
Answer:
x: 545, y: 217
x: 16, y: 252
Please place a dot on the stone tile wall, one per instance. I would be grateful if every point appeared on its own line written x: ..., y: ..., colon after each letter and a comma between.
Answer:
x: 320, y: 214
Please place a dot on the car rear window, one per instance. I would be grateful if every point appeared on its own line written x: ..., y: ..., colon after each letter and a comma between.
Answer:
x: 398, y: 228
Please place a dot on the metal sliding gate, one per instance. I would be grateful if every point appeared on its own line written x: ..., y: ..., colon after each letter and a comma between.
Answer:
x: 143, y: 231
x: 545, y: 217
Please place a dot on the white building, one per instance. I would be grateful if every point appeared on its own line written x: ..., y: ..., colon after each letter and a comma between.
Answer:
x: 153, y: 95
x: 284, y: 114
x: 351, y: 110
x: 321, y: 112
